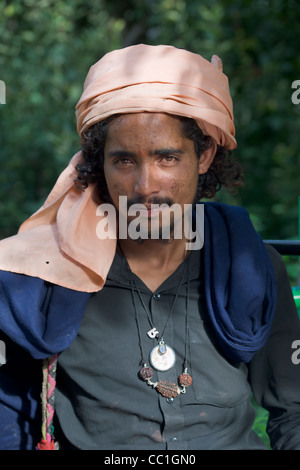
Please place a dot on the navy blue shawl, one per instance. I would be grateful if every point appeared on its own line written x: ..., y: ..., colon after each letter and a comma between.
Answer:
x: 240, y: 284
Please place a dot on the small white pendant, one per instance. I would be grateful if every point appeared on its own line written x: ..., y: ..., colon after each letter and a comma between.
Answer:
x: 162, y: 357
x: 152, y: 333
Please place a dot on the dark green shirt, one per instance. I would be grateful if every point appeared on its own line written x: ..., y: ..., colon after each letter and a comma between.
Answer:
x: 101, y: 403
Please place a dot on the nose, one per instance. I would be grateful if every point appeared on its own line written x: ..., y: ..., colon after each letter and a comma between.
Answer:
x: 146, y: 180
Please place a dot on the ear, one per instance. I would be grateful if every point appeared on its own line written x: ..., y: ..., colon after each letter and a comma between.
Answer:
x: 207, y: 157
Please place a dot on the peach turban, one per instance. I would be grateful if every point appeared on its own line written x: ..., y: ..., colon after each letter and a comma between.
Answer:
x: 59, y: 243
x: 159, y: 79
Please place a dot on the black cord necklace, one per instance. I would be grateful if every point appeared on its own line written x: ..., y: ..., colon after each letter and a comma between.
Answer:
x: 162, y: 357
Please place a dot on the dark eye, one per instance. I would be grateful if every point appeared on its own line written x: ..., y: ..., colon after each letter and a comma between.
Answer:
x: 168, y: 159
x: 122, y: 161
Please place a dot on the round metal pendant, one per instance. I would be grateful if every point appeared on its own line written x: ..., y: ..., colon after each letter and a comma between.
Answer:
x: 162, y: 361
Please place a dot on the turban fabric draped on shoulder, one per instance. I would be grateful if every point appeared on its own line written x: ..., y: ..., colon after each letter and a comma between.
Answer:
x: 59, y: 243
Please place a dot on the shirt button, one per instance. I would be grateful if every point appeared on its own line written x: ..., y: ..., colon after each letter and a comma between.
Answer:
x: 170, y: 400
x: 173, y: 439
x: 156, y: 296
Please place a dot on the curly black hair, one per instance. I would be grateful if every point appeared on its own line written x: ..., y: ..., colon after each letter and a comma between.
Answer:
x: 224, y: 170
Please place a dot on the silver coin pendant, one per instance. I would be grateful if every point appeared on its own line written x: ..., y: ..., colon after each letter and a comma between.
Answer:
x: 162, y: 357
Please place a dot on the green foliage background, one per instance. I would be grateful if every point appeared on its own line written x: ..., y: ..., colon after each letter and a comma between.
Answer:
x: 47, y: 47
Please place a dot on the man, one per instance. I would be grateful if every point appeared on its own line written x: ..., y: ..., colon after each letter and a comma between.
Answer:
x: 153, y: 342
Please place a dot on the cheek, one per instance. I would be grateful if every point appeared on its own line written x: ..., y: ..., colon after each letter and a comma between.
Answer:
x: 185, y: 189
x: 117, y: 186
x: 115, y: 190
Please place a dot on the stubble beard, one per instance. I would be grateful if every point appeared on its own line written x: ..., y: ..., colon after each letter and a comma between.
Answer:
x: 160, y: 231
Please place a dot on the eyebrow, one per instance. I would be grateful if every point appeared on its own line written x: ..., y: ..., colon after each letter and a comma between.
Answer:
x: 163, y: 151
x: 120, y: 153
x: 168, y: 151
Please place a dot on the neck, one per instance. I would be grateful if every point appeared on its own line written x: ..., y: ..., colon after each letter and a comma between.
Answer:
x: 154, y: 261
x: 154, y: 250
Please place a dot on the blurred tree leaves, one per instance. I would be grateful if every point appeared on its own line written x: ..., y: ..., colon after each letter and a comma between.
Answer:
x: 45, y: 52
x: 46, y: 48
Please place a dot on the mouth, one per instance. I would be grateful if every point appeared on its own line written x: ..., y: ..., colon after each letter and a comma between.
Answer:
x: 148, y: 210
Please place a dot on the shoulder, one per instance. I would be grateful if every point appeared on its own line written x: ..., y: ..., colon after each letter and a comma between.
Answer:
x: 277, y: 261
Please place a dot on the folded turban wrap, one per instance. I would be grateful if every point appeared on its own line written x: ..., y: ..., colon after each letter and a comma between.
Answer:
x: 59, y: 242
x: 159, y: 79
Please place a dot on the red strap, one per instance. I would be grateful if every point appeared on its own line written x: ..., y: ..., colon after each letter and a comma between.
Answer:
x: 46, y: 445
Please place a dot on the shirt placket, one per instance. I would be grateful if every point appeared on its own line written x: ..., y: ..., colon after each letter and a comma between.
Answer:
x: 173, y: 417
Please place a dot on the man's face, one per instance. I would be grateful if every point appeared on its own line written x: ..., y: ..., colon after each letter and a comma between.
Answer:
x: 149, y: 160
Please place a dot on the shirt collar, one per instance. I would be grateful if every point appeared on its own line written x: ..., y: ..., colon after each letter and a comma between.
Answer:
x: 118, y: 272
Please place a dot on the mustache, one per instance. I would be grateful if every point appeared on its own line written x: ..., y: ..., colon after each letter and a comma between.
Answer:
x: 148, y: 202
